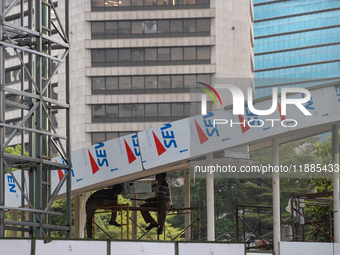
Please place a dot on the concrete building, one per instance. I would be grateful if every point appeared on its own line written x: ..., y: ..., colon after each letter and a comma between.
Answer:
x: 133, y: 62
x: 296, y: 43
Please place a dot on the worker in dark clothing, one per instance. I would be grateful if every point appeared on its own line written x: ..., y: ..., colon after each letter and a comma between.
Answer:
x: 162, y: 201
x: 99, y: 199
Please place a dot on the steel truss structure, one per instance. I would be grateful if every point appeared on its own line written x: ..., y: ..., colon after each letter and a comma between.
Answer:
x: 33, y: 45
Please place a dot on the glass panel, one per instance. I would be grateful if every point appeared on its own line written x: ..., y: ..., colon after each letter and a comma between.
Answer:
x: 150, y: 27
x: 203, y: 53
x: 98, y: 138
x: 177, y: 81
x: 124, y: 27
x: 109, y: 3
x: 112, y: 83
x: 138, y: 82
x: 124, y: 55
x: 163, y: 54
x: 203, y: 79
x: 190, y: 53
x: 176, y: 26
x: 177, y: 54
x: 177, y: 109
x: 202, y: 1
x: 163, y: 82
x: 164, y: 110
x: 150, y: 110
x: 98, y: 113
x: 111, y: 56
x: 111, y: 28
x: 151, y: 54
x: 137, y: 54
x: 137, y: 110
x: 203, y: 25
x: 98, y: 29
x: 124, y: 83
x: 136, y: 2
x: 163, y: 26
x: 98, y: 56
x: 189, y: 81
x: 162, y: 2
x: 97, y: 3
x: 149, y: 2
x: 136, y: 27
x: 150, y: 83
x: 124, y: 110
x: 111, y: 135
x: 189, y: 1
x: 189, y: 26
x: 124, y: 2
x: 98, y: 83
x: 111, y: 112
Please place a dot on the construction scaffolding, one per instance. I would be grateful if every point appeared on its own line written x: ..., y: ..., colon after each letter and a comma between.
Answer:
x: 300, y: 210
x: 41, y: 45
x: 195, y: 221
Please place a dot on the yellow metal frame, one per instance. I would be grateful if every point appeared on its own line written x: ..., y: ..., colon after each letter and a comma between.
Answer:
x: 115, y: 208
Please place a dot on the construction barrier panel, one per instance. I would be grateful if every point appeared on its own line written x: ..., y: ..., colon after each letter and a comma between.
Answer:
x: 149, y: 248
x: 298, y: 248
x: 58, y: 247
x: 15, y: 246
x: 211, y: 248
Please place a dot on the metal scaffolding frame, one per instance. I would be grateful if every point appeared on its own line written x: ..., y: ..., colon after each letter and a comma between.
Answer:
x: 36, y: 42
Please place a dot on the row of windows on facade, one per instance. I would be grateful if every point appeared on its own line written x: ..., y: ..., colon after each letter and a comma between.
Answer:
x: 292, y: 7
x: 326, y: 70
x: 303, y: 39
x: 153, y: 112
x: 134, y: 5
x: 100, y: 137
x: 150, y: 28
x: 150, y: 56
x: 298, y: 57
x: 285, y: 25
x: 147, y: 84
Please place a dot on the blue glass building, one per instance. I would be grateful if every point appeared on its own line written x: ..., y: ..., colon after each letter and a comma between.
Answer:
x: 297, y: 43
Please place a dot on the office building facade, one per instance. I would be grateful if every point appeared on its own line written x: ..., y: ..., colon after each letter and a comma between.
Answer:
x: 297, y: 43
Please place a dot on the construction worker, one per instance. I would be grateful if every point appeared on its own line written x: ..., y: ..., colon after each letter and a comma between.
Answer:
x: 162, y: 201
x: 99, y: 199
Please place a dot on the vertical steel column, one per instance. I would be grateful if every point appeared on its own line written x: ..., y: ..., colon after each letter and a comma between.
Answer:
x: 276, y: 196
x: 2, y: 132
x: 336, y: 200
x: 210, y: 200
x: 187, y: 203
x: 134, y: 218
x: 68, y: 142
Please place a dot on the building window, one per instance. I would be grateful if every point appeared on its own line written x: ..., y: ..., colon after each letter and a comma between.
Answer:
x: 152, y: 112
x: 146, y: 84
x: 135, y: 5
x: 105, y: 136
x: 150, y: 56
x: 150, y: 28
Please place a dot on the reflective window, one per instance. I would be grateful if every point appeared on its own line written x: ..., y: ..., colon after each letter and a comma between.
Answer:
x: 150, y: 112
x: 150, y: 28
x: 146, y: 84
x: 150, y: 56
x: 126, y: 5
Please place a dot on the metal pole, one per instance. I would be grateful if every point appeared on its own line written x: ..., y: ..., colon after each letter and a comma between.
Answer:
x: 237, y: 229
x: 2, y: 133
x: 68, y: 141
x: 134, y: 217
x: 210, y: 200
x: 276, y: 196
x: 336, y: 202
x: 187, y: 203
